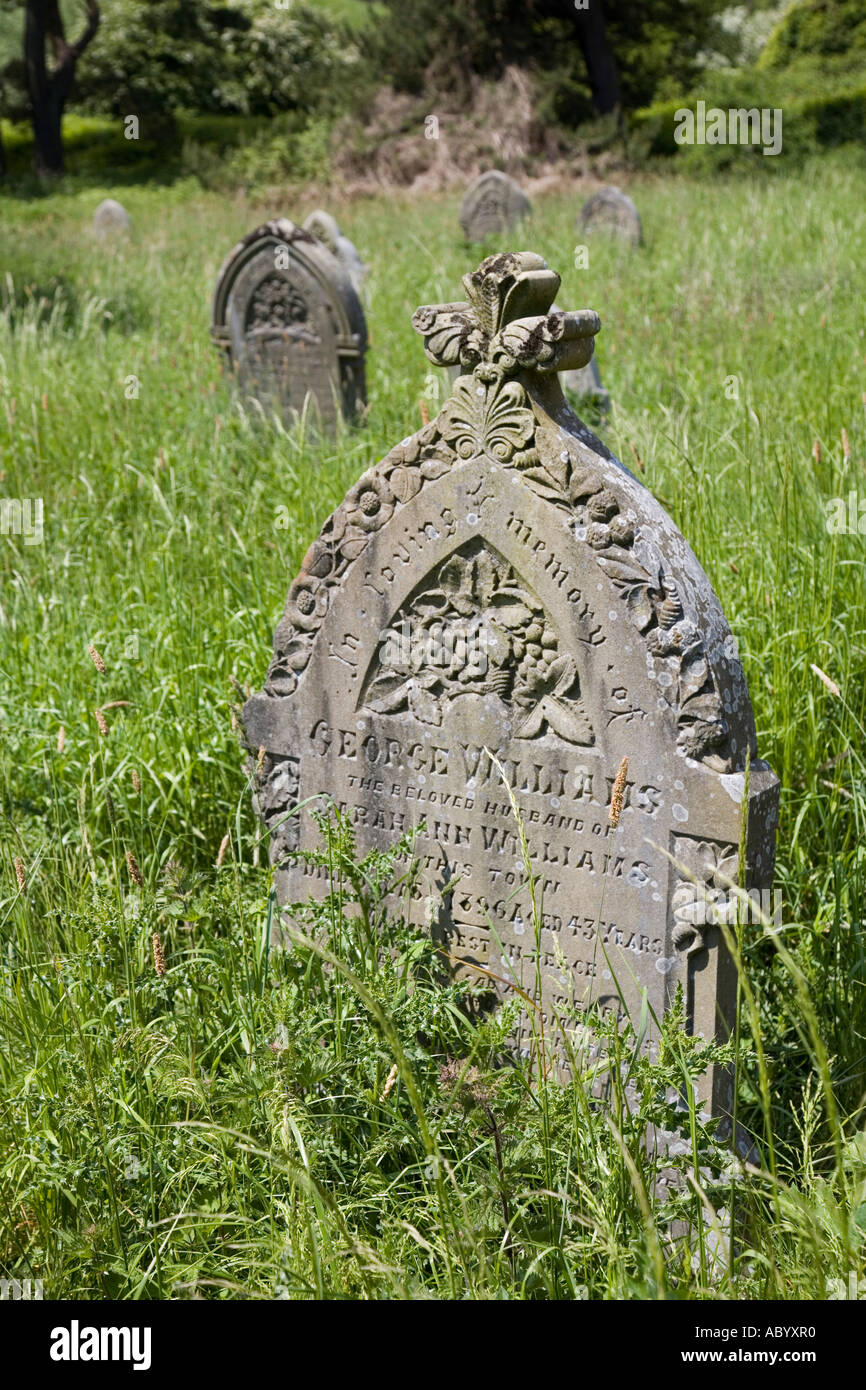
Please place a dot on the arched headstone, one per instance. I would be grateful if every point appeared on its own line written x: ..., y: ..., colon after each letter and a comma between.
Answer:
x: 291, y: 325
x: 494, y: 203
x: 501, y: 584
x: 325, y: 228
x: 611, y: 210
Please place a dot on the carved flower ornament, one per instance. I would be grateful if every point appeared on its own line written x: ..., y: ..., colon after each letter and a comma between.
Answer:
x: 503, y: 328
x: 476, y: 629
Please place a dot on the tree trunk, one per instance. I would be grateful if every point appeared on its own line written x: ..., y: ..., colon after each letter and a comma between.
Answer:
x: 49, y: 89
x: 598, y: 56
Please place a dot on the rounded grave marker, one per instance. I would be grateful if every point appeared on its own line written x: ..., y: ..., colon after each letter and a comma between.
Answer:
x: 493, y: 204
x: 611, y: 210
x: 287, y: 317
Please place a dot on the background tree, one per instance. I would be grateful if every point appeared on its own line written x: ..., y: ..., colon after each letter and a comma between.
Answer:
x: 588, y: 62
x: 49, y: 86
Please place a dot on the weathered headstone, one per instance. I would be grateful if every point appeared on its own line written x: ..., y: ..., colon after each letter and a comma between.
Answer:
x: 586, y: 381
x: 324, y: 227
x: 501, y: 582
x: 611, y: 210
x: 291, y: 325
x: 494, y: 203
x: 111, y: 219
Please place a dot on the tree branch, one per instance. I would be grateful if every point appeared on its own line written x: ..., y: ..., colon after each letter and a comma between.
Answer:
x: 93, y: 18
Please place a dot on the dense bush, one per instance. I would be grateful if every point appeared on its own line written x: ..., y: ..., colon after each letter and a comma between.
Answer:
x: 808, y: 125
x: 813, y: 68
x: 441, y: 45
x: 246, y: 58
x: 818, y: 28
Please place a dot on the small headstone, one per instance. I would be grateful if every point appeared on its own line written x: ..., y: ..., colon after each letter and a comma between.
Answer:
x: 291, y: 325
x: 111, y: 219
x: 500, y: 584
x: 611, y: 210
x: 586, y: 382
x: 324, y: 227
x: 493, y: 204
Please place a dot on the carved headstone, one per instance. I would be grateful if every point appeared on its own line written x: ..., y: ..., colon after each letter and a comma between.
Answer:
x: 499, y: 581
x: 611, y: 210
x: 287, y: 317
x: 111, y: 219
x: 494, y: 203
x: 324, y: 227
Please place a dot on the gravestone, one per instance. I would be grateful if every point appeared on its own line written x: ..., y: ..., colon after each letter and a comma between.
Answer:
x: 586, y: 381
x: 324, y: 227
x: 611, y: 210
x: 494, y: 203
x: 291, y: 325
x: 111, y: 219
x: 501, y: 584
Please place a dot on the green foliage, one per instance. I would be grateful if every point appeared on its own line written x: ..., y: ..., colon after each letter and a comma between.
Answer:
x: 659, y: 46
x: 218, y: 151
x: 825, y: 29
x: 249, y: 58
x: 224, y: 1129
x: 809, y: 124
x: 812, y: 69
x: 440, y: 45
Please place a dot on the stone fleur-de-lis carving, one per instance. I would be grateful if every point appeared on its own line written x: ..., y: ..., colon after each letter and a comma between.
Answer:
x: 503, y: 329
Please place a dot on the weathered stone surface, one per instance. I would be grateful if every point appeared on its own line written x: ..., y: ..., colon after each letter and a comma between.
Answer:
x: 501, y: 582
x: 581, y: 383
x: 111, y: 219
x: 611, y: 210
x: 291, y: 325
x: 324, y: 227
x: 494, y: 203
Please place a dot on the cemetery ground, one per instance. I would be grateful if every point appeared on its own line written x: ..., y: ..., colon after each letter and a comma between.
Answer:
x: 186, y: 1112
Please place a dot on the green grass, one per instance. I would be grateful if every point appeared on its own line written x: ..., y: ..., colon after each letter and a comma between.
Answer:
x: 225, y: 1129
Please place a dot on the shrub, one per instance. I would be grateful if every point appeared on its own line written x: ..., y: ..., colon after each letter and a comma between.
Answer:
x: 248, y: 58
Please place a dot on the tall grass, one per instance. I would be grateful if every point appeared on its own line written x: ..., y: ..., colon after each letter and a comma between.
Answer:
x: 228, y: 1128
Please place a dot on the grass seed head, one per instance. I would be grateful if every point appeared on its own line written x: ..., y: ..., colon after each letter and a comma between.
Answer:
x: 825, y: 680
x: 618, y: 793
x: 21, y: 876
x: 134, y: 870
x: 389, y: 1082
x: 101, y: 722
x: 158, y: 955
x: 221, y: 853
x: 96, y: 659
